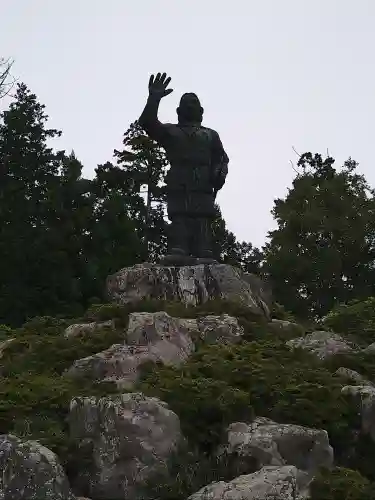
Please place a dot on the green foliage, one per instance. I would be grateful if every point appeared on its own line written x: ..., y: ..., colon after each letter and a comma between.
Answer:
x: 36, y: 407
x: 287, y: 386
x: 355, y: 319
x: 205, y: 406
x: 341, y: 484
x: 188, y: 471
x: 45, y: 350
x: 322, y: 251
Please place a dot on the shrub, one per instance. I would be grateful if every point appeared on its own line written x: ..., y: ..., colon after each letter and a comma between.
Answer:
x: 356, y: 319
x: 287, y: 386
x: 205, y: 406
x: 341, y: 484
x: 36, y: 407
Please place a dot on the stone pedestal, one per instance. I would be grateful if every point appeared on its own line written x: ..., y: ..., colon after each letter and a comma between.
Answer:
x: 191, y: 285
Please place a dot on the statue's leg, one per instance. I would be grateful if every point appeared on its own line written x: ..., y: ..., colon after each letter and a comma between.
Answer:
x: 203, y: 238
x: 178, y: 243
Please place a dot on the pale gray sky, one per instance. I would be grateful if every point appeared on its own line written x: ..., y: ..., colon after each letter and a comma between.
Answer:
x: 271, y: 74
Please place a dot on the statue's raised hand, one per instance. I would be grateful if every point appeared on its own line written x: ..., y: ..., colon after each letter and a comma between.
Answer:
x: 157, y: 86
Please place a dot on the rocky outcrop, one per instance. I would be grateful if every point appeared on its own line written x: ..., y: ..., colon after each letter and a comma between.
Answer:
x: 365, y: 397
x: 30, y: 471
x: 276, y: 483
x: 271, y: 443
x: 191, y: 285
x: 322, y: 344
x: 83, y: 329
x: 353, y: 376
x: 156, y: 338
x: 122, y: 440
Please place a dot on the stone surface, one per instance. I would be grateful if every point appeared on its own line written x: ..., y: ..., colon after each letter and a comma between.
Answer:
x: 322, y: 344
x: 271, y: 443
x: 82, y: 329
x: 222, y: 329
x: 30, y: 471
x: 354, y: 377
x: 365, y: 396
x: 122, y: 440
x: 370, y: 349
x: 158, y: 338
x: 191, y: 285
x: 270, y: 483
x: 4, y: 344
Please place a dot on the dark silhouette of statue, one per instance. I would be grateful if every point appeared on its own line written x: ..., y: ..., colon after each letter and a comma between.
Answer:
x: 198, y: 168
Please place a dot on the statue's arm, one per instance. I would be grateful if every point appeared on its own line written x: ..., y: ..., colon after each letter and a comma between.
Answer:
x: 220, y: 162
x: 149, y: 119
x: 157, y: 88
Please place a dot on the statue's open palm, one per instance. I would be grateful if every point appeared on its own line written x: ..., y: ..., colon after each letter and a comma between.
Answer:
x: 157, y: 86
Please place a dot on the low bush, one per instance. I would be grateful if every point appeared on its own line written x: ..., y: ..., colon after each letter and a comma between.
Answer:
x: 355, y: 319
x: 341, y: 484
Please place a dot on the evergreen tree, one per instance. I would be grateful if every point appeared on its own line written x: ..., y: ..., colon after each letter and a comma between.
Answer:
x: 114, y: 240
x: 28, y: 184
x: 145, y: 162
x: 227, y: 249
x: 322, y: 252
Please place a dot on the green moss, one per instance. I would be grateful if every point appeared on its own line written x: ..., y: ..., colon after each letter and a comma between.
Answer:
x: 341, y: 484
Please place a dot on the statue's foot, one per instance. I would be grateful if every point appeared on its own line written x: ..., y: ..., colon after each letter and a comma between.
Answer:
x: 206, y: 257
x: 205, y: 260
x: 178, y: 257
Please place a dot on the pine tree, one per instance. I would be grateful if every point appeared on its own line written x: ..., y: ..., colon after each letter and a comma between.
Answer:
x: 322, y: 252
x: 145, y: 162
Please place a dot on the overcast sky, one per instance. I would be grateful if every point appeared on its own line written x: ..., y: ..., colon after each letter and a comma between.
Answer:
x: 271, y: 74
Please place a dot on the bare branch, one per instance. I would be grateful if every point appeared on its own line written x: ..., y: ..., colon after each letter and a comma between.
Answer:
x: 294, y: 149
x: 296, y: 171
x: 7, y: 81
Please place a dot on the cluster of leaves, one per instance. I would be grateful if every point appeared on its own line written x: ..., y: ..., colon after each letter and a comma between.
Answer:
x: 322, y: 251
x: 355, y: 319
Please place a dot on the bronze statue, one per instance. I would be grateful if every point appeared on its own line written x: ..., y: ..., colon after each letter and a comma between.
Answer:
x: 199, y: 166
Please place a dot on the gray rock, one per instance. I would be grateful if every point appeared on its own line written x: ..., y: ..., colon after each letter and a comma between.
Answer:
x: 122, y: 441
x: 154, y: 337
x: 30, y: 471
x: 370, y: 349
x: 83, y: 329
x: 191, y: 285
x: 222, y: 329
x: 270, y: 483
x: 365, y: 396
x: 322, y: 344
x: 271, y: 443
x: 4, y: 344
x: 353, y: 376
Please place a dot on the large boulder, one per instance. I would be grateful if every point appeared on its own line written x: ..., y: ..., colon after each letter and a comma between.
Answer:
x: 270, y: 483
x: 269, y: 443
x: 157, y: 338
x: 322, y: 344
x: 191, y: 285
x: 121, y: 440
x: 31, y: 471
x: 364, y: 395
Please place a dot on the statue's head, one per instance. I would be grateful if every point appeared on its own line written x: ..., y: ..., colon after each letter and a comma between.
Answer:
x: 190, y: 109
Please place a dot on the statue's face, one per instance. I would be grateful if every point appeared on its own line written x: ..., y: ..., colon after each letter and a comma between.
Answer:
x: 190, y: 108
